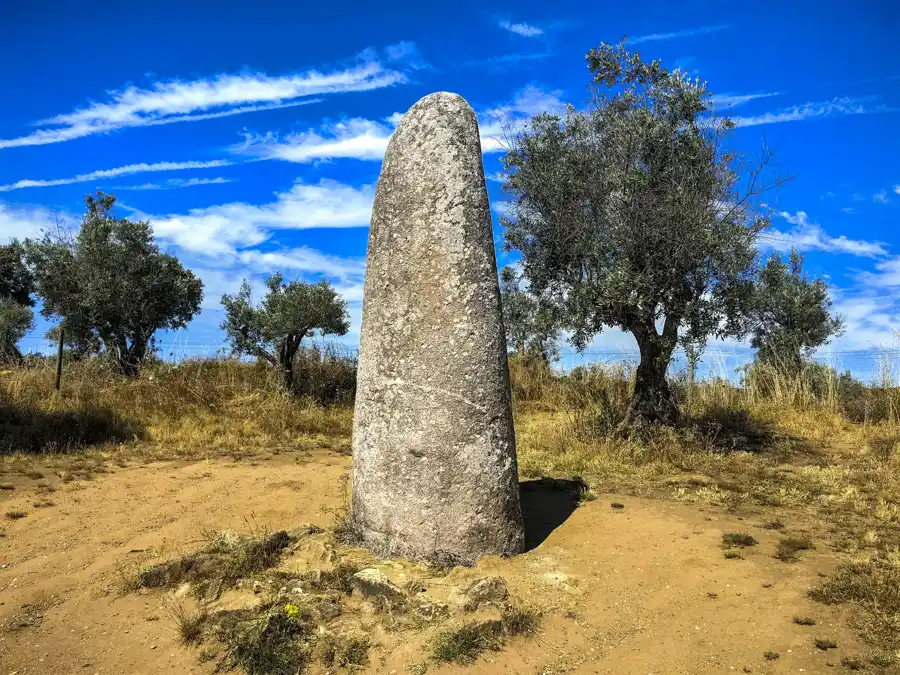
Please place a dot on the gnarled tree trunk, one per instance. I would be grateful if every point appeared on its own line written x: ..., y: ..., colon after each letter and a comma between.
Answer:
x: 652, y: 401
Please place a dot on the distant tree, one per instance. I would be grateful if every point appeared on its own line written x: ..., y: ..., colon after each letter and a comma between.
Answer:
x: 16, y: 280
x: 791, y: 313
x: 634, y: 215
x: 15, y: 321
x: 530, y: 324
x: 16, y: 288
x: 288, y: 314
x: 111, y: 286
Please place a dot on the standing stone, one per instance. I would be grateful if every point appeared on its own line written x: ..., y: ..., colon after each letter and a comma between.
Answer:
x: 434, y: 456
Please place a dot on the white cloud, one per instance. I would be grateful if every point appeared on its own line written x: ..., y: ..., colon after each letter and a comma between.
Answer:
x: 128, y: 170
x: 807, y: 236
x: 897, y: 189
x: 691, y: 32
x: 20, y: 222
x: 365, y: 139
x: 223, y: 229
x: 221, y: 95
x: 881, y: 197
x: 304, y: 260
x: 354, y: 138
x: 174, y: 183
x: 836, y: 106
x: 523, y: 29
x: 732, y: 100
x: 496, y: 123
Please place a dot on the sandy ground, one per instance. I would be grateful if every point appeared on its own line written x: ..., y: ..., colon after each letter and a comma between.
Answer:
x: 643, y: 589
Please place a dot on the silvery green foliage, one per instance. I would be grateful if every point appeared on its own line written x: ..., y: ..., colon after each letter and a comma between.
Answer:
x: 634, y: 214
x: 15, y: 321
x: 111, y: 285
x: 288, y: 314
x: 791, y: 314
x: 530, y: 324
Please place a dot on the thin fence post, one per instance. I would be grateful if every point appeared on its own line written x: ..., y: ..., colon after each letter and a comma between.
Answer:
x: 59, y: 355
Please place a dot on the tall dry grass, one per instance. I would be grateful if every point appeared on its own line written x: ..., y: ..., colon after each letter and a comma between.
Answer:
x: 200, y: 405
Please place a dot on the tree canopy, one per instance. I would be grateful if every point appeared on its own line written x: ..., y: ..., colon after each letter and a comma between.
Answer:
x: 530, y: 324
x: 288, y: 313
x: 16, y: 288
x: 111, y: 286
x: 791, y: 313
x: 634, y: 214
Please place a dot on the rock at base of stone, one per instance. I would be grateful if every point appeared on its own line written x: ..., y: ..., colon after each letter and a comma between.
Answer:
x: 372, y: 585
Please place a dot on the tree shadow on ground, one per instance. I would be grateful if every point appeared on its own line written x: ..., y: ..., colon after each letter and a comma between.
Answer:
x: 546, y: 504
x: 33, y: 431
x: 735, y: 430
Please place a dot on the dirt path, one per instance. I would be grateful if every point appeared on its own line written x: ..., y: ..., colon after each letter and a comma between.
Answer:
x: 642, y: 589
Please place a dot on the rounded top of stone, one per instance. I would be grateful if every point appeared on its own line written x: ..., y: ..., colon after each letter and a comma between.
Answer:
x: 448, y: 101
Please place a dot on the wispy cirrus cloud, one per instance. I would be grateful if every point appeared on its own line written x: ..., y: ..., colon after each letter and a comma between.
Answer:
x: 522, y: 28
x: 354, y: 138
x: 224, y: 229
x: 897, y: 189
x: 808, y: 236
x: 834, y: 107
x: 881, y: 197
x: 178, y: 100
x: 176, y: 183
x: 365, y: 139
x: 690, y: 32
x: 127, y: 170
x: 733, y: 100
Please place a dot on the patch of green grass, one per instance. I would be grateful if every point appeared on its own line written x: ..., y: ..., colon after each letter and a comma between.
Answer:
x: 15, y: 515
x: 875, y: 587
x: 771, y: 656
x: 33, y: 474
x: 463, y: 645
x: 804, y: 621
x: 825, y: 644
x: 773, y: 525
x: 788, y: 548
x: 733, y: 555
x: 738, y: 540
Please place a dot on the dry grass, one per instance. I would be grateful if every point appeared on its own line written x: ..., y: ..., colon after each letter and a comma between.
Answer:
x: 789, y: 547
x: 874, y: 587
x: 209, y: 406
x: 818, y: 446
x: 464, y: 644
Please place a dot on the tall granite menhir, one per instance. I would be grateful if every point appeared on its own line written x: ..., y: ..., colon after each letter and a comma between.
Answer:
x: 434, y: 457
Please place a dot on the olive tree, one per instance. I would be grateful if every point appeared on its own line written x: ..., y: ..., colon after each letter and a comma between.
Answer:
x: 16, y: 288
x: 530, y: 323
x: 288, y: 314
x: 634, y: 214
x: 791, y: 313
x: 111, y: 286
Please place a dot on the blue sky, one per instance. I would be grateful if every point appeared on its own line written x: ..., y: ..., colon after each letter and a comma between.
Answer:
x: 251, y: 135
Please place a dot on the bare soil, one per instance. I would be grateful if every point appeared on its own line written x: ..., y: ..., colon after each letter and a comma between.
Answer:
x: 641, y: 589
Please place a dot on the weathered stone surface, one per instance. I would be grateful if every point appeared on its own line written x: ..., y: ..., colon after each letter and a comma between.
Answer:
x: 481, y: 591
x: 371, y: 584
x: 434, y: 460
